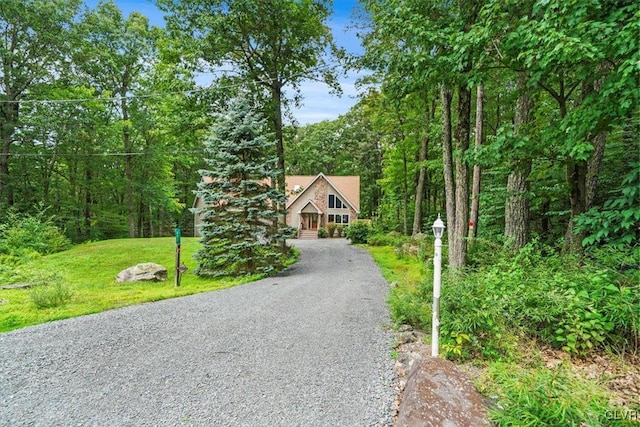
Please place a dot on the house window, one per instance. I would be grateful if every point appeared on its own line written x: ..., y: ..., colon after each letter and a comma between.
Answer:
x: 338, y: 219
x: 336, y: 203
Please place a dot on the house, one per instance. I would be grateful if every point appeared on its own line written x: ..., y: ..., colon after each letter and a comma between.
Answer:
x: 313, y: 201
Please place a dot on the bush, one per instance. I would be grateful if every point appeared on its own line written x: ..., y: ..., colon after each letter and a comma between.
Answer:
x: 339, y: 230
x: 322, y: 233
x: 359, y: 232
x: 35, y: 232
x: 562, y: 301
x: 331, y: 228
x: 381, y: 239
x: 50, y: 291
x: 558, y: 300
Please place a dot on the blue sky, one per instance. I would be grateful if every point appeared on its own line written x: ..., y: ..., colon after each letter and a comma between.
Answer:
x: 318, y: 103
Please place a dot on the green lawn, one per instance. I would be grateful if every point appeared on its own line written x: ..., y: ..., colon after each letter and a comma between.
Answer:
x: 408, y: 272
x: 90, y: 270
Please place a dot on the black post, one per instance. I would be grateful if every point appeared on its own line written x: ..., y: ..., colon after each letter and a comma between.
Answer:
x: 178, y: 239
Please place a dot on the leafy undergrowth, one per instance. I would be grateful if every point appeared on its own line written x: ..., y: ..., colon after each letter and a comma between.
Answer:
x: 549, y: 340
x: 82, y: 280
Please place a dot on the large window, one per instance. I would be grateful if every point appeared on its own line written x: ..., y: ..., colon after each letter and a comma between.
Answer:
x: 336, y: 203
x: 338, y: 219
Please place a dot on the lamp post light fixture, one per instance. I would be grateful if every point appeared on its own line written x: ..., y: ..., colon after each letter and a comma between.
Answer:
x: 438, y: 231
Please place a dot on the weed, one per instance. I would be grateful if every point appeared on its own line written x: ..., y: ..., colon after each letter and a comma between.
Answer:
x: 50, y: 291
x: 541, y: 396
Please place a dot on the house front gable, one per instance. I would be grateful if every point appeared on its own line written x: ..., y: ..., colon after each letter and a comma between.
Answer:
x: 328, y: 199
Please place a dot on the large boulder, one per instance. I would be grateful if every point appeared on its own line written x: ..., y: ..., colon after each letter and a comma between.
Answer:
x: 437, y: 394
x: 144, y: 272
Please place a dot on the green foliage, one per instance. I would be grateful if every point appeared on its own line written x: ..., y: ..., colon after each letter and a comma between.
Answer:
x: 384, y: 239
x: 322, y: 233
x: 617, y: 222
x: 526, y: 396
x: 456, y: 344
x: 339, y: 230
x: 49, y: 290
x: 22, y: 233
x: 359, y: 231
x: 331, y: 228
x: 566, y: 302
x: 240, y: 205
x: 558, y: 300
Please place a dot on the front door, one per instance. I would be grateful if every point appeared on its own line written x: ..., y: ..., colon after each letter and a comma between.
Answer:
x: 312, y: 221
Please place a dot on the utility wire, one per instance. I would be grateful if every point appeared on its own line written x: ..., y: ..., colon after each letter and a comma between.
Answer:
x: 141, y: 96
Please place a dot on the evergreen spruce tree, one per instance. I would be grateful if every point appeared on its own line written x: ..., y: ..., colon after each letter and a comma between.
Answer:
x: 240, y: 204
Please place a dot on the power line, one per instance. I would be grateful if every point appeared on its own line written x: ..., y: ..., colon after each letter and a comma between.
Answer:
x: 140, y: 96
x: 106, y: 154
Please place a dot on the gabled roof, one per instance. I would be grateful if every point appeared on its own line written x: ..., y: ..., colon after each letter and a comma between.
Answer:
x: 347, y: 187
x: 310, y: 202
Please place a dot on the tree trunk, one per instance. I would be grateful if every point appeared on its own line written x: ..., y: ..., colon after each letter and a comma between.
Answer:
x: 88, y: 202
x: 458, y: 247
x: 593, y: 168
x: 516, y: 215
x: 582, y: 177
x: 576, y: 174
x: 405, y: 193
x: 424, y: 147
x: 447, y: 160
x: 276, y: 99
x: 128, y: 165
x: 7, y: 128
x: 475, y: 189
x: 517, y: 227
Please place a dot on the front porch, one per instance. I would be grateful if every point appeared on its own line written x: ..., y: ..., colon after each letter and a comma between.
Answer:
x: 310, y: 219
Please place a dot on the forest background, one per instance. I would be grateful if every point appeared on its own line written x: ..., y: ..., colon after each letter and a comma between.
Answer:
x: 530, y: 110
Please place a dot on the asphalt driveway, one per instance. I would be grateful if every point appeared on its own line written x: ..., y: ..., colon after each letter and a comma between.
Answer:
x: 306, y: 348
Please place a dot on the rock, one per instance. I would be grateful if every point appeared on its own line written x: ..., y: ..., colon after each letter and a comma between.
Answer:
x: 21, y: 285
x: 144, y: 272
x: 438, y: 394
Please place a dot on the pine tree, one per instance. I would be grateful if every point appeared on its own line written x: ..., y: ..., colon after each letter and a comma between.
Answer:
x: 240, y: 204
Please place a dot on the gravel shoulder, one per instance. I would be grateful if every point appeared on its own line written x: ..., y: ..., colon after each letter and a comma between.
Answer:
x: 308, y: 347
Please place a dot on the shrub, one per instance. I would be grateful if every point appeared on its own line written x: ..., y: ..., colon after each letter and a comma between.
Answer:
x: 35, y: 232
x: 331, y: 228
x: 359, y: 231
x: 50, y: 291
x: 381, y: 239
x: 322, y: 233
x: 339, y: 230
x: 561, y: 301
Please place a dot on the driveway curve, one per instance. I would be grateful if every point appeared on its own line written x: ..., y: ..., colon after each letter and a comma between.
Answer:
x: 308, y: 347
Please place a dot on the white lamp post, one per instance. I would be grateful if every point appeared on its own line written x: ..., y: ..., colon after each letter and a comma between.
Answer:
x: 438, y: 231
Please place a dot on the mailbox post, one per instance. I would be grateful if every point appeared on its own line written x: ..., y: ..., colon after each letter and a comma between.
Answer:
x: 178, y: 244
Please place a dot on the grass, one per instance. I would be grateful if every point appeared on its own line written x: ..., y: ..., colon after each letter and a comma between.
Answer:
x: 89, y: 270
x: 407, y: 271
x: 407, y: 274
